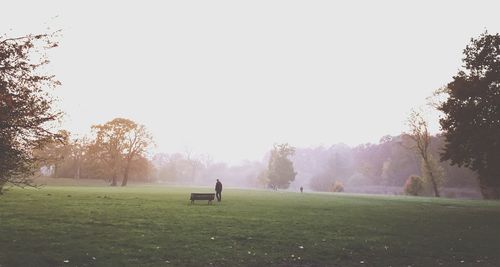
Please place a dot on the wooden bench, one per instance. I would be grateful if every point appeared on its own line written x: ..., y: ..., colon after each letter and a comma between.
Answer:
x: 202, y: 196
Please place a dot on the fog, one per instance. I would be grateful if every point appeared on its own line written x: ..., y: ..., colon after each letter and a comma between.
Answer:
x: 218, y: 83
x: 380, y: 168
x: 377, y: 168
x: 231, y: 79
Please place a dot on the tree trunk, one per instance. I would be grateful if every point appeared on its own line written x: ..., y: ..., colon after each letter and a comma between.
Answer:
x: 434, y: 186
x: 429, y: 168
x: 113, y: 180
x: 126, y: 171
x: 54, y: 175
x: 125, y: 177
x: 78, y: 167
x: 2, y: 183
x: 488, y: 190
x: 77, y: 173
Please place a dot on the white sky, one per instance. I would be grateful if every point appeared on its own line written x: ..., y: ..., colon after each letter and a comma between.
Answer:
x: 230, y: 78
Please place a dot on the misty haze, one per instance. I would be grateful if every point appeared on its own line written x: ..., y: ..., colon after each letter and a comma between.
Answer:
x: 263, y: 133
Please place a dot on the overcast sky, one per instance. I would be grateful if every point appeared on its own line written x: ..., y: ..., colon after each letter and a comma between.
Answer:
x: 230, y: 78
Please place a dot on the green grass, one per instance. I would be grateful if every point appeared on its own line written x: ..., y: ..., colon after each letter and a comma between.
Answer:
x: 148, y: 226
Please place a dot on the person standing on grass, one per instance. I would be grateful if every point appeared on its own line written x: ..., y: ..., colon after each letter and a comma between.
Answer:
x: 218, y: 190
x: 301, y: 189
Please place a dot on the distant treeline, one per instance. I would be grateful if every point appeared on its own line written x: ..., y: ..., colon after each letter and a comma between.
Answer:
x: 388, y: 163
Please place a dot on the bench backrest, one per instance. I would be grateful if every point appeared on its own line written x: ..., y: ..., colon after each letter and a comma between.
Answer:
x: 202, y: 196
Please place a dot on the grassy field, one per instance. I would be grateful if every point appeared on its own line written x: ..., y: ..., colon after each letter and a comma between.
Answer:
x: 148, y: 226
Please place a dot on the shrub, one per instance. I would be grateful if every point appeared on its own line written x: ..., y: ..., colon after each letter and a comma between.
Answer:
x: 338, y: 187
x: 414, y: 185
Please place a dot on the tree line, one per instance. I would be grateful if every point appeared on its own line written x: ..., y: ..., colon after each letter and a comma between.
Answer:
x: 116, y: 150
x: 388, y: 163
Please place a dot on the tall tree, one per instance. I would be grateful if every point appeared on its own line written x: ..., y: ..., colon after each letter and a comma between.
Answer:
x: 419, y: 133
x: 137, y: 140
x: 108, y: 147
x: 471, y: 121
x: 25, y: 106
x: 280, y: 171
x: 118, y: 143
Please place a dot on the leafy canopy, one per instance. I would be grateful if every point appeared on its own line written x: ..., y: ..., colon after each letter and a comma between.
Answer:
x: 25, y: 106
x: 280, y: 169
x: 472, y: 111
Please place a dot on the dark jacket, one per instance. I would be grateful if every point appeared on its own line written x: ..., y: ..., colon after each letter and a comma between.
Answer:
x: 218, y: 187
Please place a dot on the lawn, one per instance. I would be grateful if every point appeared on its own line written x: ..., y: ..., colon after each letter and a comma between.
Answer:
x: 156, y: 226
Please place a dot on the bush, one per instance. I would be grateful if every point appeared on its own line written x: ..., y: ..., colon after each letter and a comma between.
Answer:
x: 414, y: 185
x: 338, y: 187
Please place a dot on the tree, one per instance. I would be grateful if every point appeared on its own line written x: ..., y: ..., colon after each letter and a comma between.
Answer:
x: 337, y: 167
x: 419, y: 133
x: 25, y: 107
x: 337, y: 187
x: 262, y: 179
x: 414, y: 185
x: 78, y: 149
x: 137, y: 140
x: 193, y: 163
x: 280, y: 168
x: 471, y: 121
x: 55, y: 152
x: 118, y: 143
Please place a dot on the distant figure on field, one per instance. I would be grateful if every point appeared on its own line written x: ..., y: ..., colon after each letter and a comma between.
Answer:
x: 218, y: 190
x: 301, y: 189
